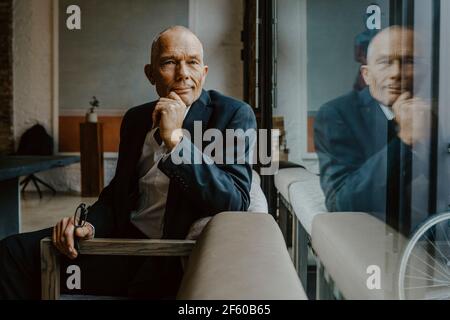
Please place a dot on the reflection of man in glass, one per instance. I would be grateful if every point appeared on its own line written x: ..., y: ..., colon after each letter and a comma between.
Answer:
x: 362, y: 138
x: 362, y: 42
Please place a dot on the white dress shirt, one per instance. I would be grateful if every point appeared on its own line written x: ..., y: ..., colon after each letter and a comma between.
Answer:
x: 153, y: 188
x: 387, y: 112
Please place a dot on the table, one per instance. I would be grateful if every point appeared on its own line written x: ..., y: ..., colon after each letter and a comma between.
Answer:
x: 11, y: 169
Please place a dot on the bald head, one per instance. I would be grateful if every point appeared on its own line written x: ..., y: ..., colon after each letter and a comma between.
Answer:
x: 177, y: 65
x: 395, y: 38
x: 392, y: 64
x: 176, y: 33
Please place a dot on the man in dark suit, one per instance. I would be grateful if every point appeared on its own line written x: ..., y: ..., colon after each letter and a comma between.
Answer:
x: 151, y: 194
x: 367, y: 141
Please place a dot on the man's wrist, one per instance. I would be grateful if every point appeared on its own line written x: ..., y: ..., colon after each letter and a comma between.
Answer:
x: 175, y: 140
x: 171, y: 149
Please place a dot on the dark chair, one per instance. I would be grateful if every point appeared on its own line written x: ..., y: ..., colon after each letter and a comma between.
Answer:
x: 35, y: 142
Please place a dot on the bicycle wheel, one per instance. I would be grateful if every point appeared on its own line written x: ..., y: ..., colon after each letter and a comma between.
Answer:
x: 425, y: 266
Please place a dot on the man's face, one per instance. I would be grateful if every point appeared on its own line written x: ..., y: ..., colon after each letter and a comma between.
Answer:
x: 178, y: 66
x: 391, y: 68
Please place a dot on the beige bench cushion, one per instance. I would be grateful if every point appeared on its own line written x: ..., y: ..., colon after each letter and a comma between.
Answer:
x: 348, y: 243
x: 286, y: 177
x: 241, y: 256
x: 258, y: 201
x: 307, y: 201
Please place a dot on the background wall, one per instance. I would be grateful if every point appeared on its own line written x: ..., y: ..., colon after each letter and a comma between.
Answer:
x: 33, y: 80
x: 218, y: 24
x: 6, y: 77
x: 32, y: 69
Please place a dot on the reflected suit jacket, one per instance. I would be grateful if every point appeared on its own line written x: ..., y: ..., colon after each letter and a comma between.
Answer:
x: 352, y: 143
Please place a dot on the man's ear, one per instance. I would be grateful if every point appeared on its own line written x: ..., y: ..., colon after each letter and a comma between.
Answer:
x: 365, y: 73
x: 205, y: 73
x: 149, y: 73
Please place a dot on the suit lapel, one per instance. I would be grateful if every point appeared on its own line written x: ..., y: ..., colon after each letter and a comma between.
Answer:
x: 199, y: 111
x: 374, y: 119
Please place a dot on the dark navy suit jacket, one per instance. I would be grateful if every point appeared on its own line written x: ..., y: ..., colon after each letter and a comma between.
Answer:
x: 195, y: 190
x: 351, y: 139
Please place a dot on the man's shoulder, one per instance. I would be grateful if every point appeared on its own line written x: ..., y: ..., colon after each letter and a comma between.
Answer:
x: 343, y: 102
x: 345, y: 105
x: 138, y: 117
x: 221, y: 101
x: 227, y: 110
x: 139, y: 110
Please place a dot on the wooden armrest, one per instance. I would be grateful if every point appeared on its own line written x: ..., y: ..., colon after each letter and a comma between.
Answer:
x: 115, y: 247
x: 133, y: 247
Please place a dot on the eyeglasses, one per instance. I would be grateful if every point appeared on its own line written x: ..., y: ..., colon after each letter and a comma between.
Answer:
x: 80, y: 218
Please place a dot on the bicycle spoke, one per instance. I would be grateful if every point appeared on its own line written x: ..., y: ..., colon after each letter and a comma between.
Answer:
x: 430, y: 279
x: 445, y: 234
x: 443, y: 269
x: 437, y: 249
x: 424, y: 287
x: 428, y: 273
x: 446, y: 275
x: 423, y: 272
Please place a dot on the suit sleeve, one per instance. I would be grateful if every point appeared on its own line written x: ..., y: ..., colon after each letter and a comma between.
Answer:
x: 350, y: 181
x: 214, y: 186
x: 101, y: 214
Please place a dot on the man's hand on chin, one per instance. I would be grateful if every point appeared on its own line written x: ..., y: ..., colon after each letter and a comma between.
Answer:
x: 169, y: 112
x: 413, y: 116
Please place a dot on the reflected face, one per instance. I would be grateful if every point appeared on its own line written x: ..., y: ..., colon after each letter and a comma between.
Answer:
x: 177, y: 65
x: 390, y: 68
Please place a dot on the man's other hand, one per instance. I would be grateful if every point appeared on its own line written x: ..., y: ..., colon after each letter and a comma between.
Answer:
x: 63, y: 236
x: 413, y: 116
x: 169, y: 112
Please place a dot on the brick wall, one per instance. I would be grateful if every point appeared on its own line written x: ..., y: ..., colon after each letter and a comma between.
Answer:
x: 6, y: 79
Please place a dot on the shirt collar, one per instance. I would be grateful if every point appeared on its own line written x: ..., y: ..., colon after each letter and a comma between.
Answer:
x: 186, y: 112
x: 387, y: 112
